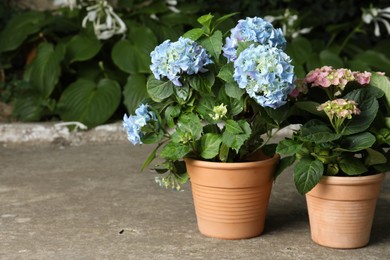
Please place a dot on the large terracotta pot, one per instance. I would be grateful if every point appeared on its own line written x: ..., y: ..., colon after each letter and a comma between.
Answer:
x: 341, y: 210
x: 231, y: 199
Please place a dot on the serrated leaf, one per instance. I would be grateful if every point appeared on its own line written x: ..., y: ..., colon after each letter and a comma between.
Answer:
x: 316, y: 131
x: 288, y: 147
x: 205, y: 20
x: 232, y: 90
x: 236, y: 133
x: 202, y: 82
x: 171, y: 113
x: 233, y: 127
x: 45, y: 70
x: 213, y: 44
x: 90, y: 103
x: 307, y: 173
x: 175, y: 151
x: 159, y: 90
x: 226, y: 73
x: 194, y: 34
x: 210, y: 143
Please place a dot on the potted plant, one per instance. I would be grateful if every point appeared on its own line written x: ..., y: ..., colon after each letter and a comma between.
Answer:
x: 212, y: 110
x: 340, y: 152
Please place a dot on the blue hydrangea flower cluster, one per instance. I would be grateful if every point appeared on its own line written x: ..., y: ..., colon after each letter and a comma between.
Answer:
x: 134, y: 123
x: 170, y: 59
x: 253, y: 29
x: 266, y: 74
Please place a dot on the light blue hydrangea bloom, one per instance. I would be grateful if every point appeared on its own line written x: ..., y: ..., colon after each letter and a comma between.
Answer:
x: 266, y: 74
x: 170, y: 59
x: 134, y: 123
x: 253, y: 29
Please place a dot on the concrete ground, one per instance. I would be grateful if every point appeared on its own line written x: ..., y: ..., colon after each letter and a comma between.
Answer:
x: 59, y: 201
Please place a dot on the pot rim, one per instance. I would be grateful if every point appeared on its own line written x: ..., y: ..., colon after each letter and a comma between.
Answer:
x: 352, y: 180
x: 231, y: 165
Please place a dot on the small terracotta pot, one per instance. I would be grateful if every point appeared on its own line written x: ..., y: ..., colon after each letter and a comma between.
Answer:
x: 341, y: 210
x: 231, y: 199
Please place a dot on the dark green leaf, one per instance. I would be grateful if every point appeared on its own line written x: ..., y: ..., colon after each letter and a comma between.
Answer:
x: 134, y: 92
x: 210, y: 145
x: 300, y: 49
x: 19, y: 28
x: 235, y: 134
x: 226, y: 73
x: 213, y: 44
x: 194, y: 34
x: 284, y: 163
x: 316, y: 131
x: 288, y: 146
x: 81, y: 48
x: 329, y: 58
x: 159, y: 90
x: 233, y: 91
x: 205, y: 20
x: 171, y: 113
x: 307, y: 173
x: 374, y: 157
x: 90, y: 103
x: 356, y: 142
x: 134, y: 56
x: 202, y: 82
x: 45, y: 70
x: 175, y: 151
x: 28, y: 108
x: 352, y: 165
x: 311, y: 107
x: 368, y: 106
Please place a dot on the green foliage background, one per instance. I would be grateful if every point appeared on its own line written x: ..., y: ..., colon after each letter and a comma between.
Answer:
x: 76, y: 77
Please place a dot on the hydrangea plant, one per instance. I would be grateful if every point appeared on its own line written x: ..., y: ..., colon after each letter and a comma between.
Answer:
x: 206, y: 106
x: 345, y: 129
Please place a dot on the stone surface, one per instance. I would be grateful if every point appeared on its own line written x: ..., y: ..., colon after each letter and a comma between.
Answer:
x: 58, y: 134
x: 92, y: 202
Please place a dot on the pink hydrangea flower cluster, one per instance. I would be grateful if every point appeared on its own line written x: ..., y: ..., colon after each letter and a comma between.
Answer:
x: 340, y: 108
x: 327, y: 76
x: 362, y: 77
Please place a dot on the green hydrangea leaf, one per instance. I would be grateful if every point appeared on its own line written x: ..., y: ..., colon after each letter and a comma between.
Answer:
x: 307, y: 173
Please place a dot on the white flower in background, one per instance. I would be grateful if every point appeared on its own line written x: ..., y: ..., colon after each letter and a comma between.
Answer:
x: 288, y: 20
x: 71, y: 4
x: 105, y: 21
x: 377, y: 15
x: 172, y: 5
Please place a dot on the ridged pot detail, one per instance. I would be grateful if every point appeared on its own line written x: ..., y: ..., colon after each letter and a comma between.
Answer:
x: 231, y: 199
x: 341, y: 210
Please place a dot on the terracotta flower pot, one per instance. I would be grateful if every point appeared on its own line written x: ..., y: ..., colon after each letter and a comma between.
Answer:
x: 341, y: 210
x: 231, y: 199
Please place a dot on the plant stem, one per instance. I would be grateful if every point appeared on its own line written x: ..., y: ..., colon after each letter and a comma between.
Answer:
x: 349, y: 36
